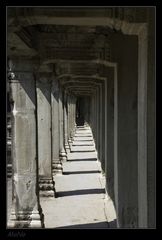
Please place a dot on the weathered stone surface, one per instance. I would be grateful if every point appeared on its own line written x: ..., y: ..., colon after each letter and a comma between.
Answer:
x: 46, y: 187
x: 126, y: 161
x: 25, y: 199
x: 109, y: 136
x: 46, y: 184
x: 56, y: 163
x: 44, y: 126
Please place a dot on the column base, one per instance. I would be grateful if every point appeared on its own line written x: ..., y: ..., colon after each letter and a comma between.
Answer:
x: 56, y: 167
x: 67, y: 148
x: 63, y: 156
x: 72, y: 134
x: 70, y: 143
x: 46, y: 187
x: 25, y: 219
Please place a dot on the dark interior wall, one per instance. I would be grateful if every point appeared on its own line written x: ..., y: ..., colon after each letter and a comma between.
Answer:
x: 125, y: 53
x: 80, y: 113
x: 83, y: 105
x: 86, y: 109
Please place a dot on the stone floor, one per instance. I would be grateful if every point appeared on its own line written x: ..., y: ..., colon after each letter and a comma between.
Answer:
x: 80, y: 200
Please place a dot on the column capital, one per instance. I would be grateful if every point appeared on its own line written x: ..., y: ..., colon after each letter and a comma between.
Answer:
x: 44, y: 77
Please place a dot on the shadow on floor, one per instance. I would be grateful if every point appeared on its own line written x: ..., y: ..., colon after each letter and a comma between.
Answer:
x: 79, y: 160
x: 99, y: 225
x: 83, y: 140
x: 79, y: 192
x: 81, y: 172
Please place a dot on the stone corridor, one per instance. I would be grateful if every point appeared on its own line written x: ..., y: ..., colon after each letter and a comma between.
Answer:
x: 80, y: 191
x: 81, y: 117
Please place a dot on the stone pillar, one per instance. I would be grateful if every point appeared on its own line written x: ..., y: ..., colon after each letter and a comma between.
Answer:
x: 103, y: 129
x: 68, y: 118
x: 109, y: 133
x: 75, y: 113
x: 43, y: 85
x: 26, y: 211
x: 71, y: 121
x: 73, y: 116
x: 125, y: 135
x: 95, y: 115
x: 142, y: 132
x: 98, y: 122
x: 62, y: 155
x: 97, y: 118
x: 67, y: 148
x: 101, y: 113
x: 92, y: 116
x: 56, y: 163
x: 116, y: 143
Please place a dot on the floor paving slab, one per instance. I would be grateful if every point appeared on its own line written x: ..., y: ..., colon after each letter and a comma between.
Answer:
x: 82, y: 148
x: 83, y: 143
x: 83, y: 138
x: 87, y: 155
x: 83, y: 135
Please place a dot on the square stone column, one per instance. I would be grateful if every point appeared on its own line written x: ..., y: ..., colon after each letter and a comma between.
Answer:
x: 101, y: 122
x: 56, y: 162
x: 126, y: 129
x: 103, y: 129
x: 109, y: 133
x: 62, y: 154
x: 26, y: 211
x: 73, y: 117
x: 67, y: 148
x: 46, y: 183
x: 70, y: 121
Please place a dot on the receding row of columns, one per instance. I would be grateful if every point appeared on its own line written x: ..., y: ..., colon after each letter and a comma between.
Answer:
x: 43, y: 115
x: 119, y: 124
x: 119, y: 115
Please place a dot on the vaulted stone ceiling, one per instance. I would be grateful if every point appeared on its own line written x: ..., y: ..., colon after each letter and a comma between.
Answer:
x: 57, y: 38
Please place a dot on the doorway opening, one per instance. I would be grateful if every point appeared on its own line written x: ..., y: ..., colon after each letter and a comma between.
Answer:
x: 80, y: 111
